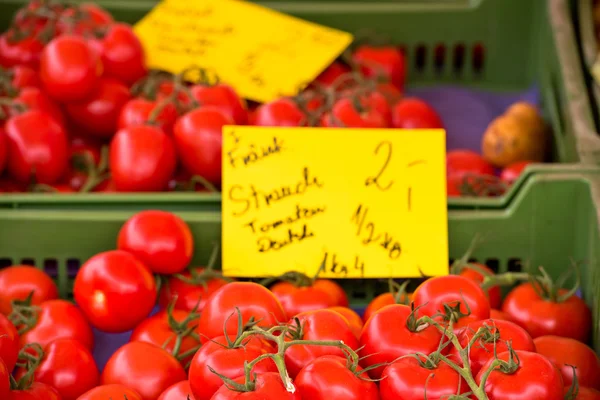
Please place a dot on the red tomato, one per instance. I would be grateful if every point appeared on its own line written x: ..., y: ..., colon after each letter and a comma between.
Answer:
x: 111, y: 392
x: 252, y: 299
x: 224, y: 98
x: 354, y: 320
x: 179, y: 391
x: 122, y: 54
x: 90, y: 18
x: 297, y: 299
x: 24, y: 76
x: 115, y: 291
x: 571, y: 318
x: 190, y: 292
x: 142, y: 159
x: 159, y: 239
x: 383, y: 300
x: 3, y: 149
x: 199, y: 141
x: 37, y: 148
x: 143, y: 367
x: 4, y: 380
x: 37, y: 391
x: 24, y: 52
x: 513, y: 171
x: 564, y: 353
x: 9, y: 343
x: 36, y: 99
x: 499, y: 315
x: 318, y: 325
x: 137, y: 112
x: 391, y: 333
x: 69, y: 367
x: 498, y: 335
x: 69, y: 68
x: 383, y: 62
x: 332, y: 73
x: 162, y: 330
x: 19, y: 281
x: 584, y: 394
x: 281, y: 112
x: 534, y: 378
x: 267, y: 386
x: 407, y: 379
x: 413, y: 113
x: 494, y: 293
x: 226, y: 361
x: 58, y: 319
x: 345, y: 114
x: 390, y: 92
x: 334, y: 290
x: 460, y: 162
x: 98, y: 114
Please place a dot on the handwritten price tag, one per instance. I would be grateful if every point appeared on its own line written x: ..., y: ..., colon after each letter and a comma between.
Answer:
x: 262, y: 53
x: 362, y: 203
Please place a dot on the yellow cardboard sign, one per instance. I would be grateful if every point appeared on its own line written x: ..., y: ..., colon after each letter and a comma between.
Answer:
x: 364, y: 203
x: 262, y: 53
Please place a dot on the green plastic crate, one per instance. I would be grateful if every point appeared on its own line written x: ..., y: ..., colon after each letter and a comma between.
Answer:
x: 525, y: 42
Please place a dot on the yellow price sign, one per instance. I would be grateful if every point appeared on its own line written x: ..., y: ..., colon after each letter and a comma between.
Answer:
x: 360, y: 203
x: 262, y: 53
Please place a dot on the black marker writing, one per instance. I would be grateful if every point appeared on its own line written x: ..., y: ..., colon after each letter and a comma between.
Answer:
x: 331, y: 263
x: 266, y: 244
x: 383, y: 239
x: 254, y: 152
x: 374, y: 180
x: 301, y: 213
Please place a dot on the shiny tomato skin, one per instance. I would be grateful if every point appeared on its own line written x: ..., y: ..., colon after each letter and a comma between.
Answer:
x: 497, y: 314
x: 224, y: 98
x: 318, y: 325
x: 460, y: 162
x: 18, y: 281
x: 37, y: 391
x: 4, y: 380
x: 536, y: 378
x: 145, y: 368
x: 413, y: 113
x: 332, y: 73
x: 334, y: 290
x: 483, y: 350
x: 123, y: 54
x: 354, y: 320
x: 199, y: 141
x: 296, y: 300
x: 25, y: 52
x: 97, y: 115
x: 226, y: 361
x: 344, y: 114
x: 36, y: 99
x: 188, y: 296
x: 37, y: 147
x: 384, y: 299
x: 494, y: 293
x: 432, y: 294
x: 178, y: 391
x: 69, y: 367
x: 115, y: 291
x: 159, y: 239
x: 382, y: 62
x: 328, y: 378
x: 539, y: 317
x: 268, y: 386
x: 138, y: 111
x: 9, y: 343
x: 69, y: 68
x: 283, y: 112
x: 386, y: 336
x: 24, y: 76
x: 115, y: 391
x: 252, y: 299
x: 566, y: 352
x: 513, y: 171
x: 405, y: 379
x: 142, y: 159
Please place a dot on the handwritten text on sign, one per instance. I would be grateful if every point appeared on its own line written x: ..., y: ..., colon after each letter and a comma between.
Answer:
x: 262, y: 53
x: 365, y: 203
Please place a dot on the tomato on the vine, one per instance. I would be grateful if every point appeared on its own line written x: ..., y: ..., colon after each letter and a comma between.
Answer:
x: 178, y: 391
x: 224, y: 98
x: 3, y: 149
x: 4, y: 380
x: 190, y: 289
x: 17, y: 282
x: 413, y: 113
x: 297, y: 299
x: 477, y: 273
x: 267, y: 386
x: 583, y: 394
x: 115, y: 391
x: 90, y: 18
x: 9, y: 343
x: 281, y: 112
x: 385, y: 62
x: 328, y: 77
x: 354, y: 320
x: 138, y: 111
x: 36, y: 391
x: 20, y: 52
x: 35, y: 99
x: 354, y: 113
x: 24, y: 76
x: 334, y: 290
x: 386, y: 299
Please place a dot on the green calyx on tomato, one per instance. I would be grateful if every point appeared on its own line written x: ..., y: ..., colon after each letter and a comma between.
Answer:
x: 24, y: 316
x: 413, y: 323
x: 183, y: 329
x: 549, y: 290
x: 30, y: 358
x: 573, y: 391
x: 96, y: 174
x: 202, y: 278
x: 399, y: 292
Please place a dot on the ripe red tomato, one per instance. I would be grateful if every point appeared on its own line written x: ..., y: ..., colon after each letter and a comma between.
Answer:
x: 354, y: 320
x: 19, y: 281
x: 584, y: 394
x: 252, y: 299
x: 37, y: 148
x: 143, y: 367
x: 98, y: 114
x: 36, y: 99
x: 385, y: 299
x: 162, y: 330
x: 267, y: 386
x: 391, y: 333
x: 69, y: 367
x: 123, y: 54
x: 23, y: 52
x: 199, y: 141
x: 499, y: 315
x: 513, y: 171
x: 24, y: 76
x: 224, y: 98
x: 191, y: 292
x: 334, y: 290
x: 407, y: 379
x: 381, y: 62
x: 4, y: 380
x: 178, y: 391
x: 281, y: 112
x: 460, y: 162
x: 297, y: 299
x: 58, y: 319
x: 159, y: 239
x: 564, y: 353
x: 37, y: 391
x: 90, y: 17
x: 332, y: 73
x: 413, y: 113
x: 142, y: 159
x: 345, y: 114
x: 137, y: 112
x: 9, y: 343
x: 69, y: 68
x: 115, y: 291
x: 3, y: 149
x: 494, y: 293
x: 227, y: 361
x: 318, y: 325
x: 571, y: 318
x: 104, y: 392
x: 499, y: 334
x: 534, y: 378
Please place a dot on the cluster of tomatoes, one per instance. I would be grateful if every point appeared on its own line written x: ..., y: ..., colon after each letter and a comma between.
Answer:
x: 292, y: 337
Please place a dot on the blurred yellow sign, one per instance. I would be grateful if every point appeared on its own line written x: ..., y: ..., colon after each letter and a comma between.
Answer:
x: 362, y: 203
x: 262, y: 53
